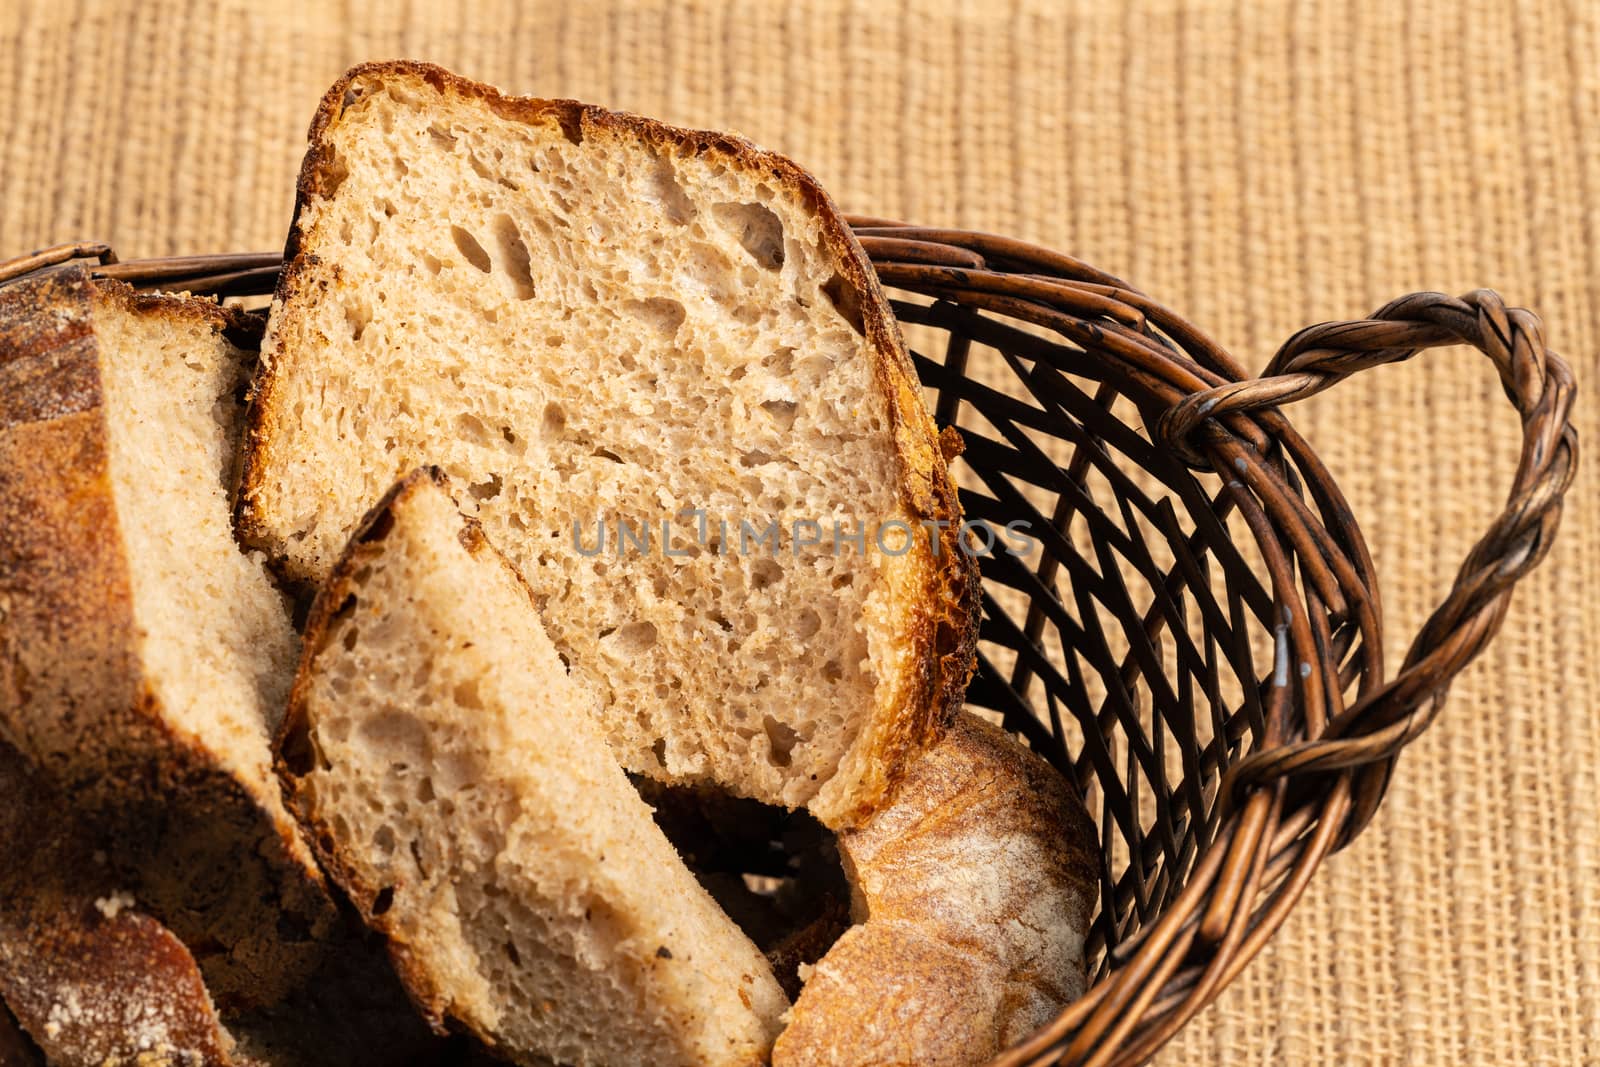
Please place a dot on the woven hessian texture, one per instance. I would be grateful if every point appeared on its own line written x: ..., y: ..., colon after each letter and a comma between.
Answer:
x: 1256, y: 164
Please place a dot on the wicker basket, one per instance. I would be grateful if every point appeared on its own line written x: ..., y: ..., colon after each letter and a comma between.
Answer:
x: 1197, y: 640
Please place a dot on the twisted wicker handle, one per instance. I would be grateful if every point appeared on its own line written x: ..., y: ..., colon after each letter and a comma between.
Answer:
x: 1539, y: 384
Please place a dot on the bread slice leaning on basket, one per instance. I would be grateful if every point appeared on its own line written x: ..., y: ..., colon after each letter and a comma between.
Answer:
x: 144, y: 657
x: 458, y: 787
x: 972, y: 892
x: 592, y: 321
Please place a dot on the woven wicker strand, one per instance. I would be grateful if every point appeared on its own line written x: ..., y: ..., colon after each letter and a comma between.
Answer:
x: 1198, y: 643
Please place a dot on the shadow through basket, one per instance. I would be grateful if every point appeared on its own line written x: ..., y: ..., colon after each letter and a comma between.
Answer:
x: 1195, y: 637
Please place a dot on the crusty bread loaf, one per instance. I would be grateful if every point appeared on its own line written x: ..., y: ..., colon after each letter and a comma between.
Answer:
x: 144, y: 658
x: 973, y: 889
x: 458, y: 788
x: 93, y: 980
x: 589, y: 320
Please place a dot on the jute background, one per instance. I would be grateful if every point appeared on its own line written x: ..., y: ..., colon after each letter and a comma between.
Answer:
x: 1257, y: 164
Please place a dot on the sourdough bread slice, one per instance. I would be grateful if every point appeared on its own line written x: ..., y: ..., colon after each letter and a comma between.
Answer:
x: 144, y: 658
x: 597, y: 324
x: 458, y: 788
x: 89, y: 976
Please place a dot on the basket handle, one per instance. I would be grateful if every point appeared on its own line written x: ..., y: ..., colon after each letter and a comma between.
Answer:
x: 1538, y: 383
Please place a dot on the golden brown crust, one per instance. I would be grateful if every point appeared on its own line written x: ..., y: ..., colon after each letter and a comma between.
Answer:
x: 93, y: 980
x: 73, y: 695
x: 943, y: 631
x: 973, y: 891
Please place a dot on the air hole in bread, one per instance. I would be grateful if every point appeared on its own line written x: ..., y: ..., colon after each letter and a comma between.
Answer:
x: 554, y: 421
x: 635, y: 637
x: 846, y: 300
x: 357, y: 315
x: 383, y: 901
x: 663, y: 314
x: 472, y: 429
x: 668, y: 194
x: 781, y: 740
x: 659, y: 749
x: 606, y: 453
x: 486, y: 490
x: 442, y: 137
x: 352, y: 635
x: 384, y: 839
x: 831, y: 671
x: 469, y: 247
x: 479, y: 167
x: 782, y: 412
x: 807, y: 624
x: 765, y: 572
x: 757, y: 229
x: 514, y: 258
x: 755, y: 458
x: 466, y: 694
x: 780, y: 362
x: 431, y: 263
x: 511, y: 950
x: 332, y: 174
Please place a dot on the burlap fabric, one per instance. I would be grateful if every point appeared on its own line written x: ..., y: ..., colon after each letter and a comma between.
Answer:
x: 1257, y: 164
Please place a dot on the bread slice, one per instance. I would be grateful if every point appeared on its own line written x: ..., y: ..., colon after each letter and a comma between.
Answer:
x: 972, y: 892
x: 593, y: 319
x: 89, y: 976
x: 458, y: 788
x: 144, y: 658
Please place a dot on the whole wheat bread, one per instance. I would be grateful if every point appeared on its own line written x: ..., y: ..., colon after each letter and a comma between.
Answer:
x: 591, y: 319
x: 144, y: 658
x: 457, y: 786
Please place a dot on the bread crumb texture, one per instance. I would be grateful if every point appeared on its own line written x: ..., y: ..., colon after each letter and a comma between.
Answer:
x: 460, y: 790
x: 593, y: 321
